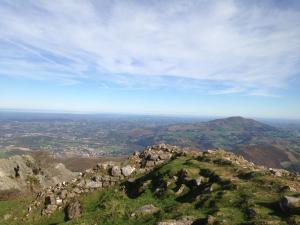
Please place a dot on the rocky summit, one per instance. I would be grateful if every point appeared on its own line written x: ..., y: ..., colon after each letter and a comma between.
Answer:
x: 165, y: 185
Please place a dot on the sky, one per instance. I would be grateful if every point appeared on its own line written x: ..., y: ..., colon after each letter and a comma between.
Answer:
x: 172, y: 57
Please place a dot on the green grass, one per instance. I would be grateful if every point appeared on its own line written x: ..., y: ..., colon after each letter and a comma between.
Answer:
x: 13, y: 209
x: 236, y: 199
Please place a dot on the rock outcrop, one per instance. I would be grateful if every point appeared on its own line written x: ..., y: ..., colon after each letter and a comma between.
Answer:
x: 101, y: 176
x: 21, y: 173
x: 65, y: 195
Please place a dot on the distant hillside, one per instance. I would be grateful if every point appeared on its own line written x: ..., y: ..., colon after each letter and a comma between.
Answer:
x: 230, y: 133
x: 241, y: 124
x: 267, y: 155
x: 234, y: 134
x: 122, y: 136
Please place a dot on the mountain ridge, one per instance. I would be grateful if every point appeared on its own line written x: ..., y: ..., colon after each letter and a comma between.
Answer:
x: 166, y: 185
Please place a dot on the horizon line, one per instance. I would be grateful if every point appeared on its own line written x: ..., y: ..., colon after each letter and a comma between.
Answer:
x: 74, y: 112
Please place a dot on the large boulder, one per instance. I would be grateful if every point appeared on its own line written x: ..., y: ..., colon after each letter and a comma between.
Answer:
x: 290, y: 204
x: 74, y: 210
x: 152, y: 156
x: 115, y: 171
x: 127, y: 170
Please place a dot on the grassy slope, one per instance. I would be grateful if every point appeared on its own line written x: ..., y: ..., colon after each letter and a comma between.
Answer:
x: 235, y: 192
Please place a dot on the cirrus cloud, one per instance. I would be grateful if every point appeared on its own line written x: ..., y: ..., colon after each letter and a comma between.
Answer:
x: 219, y: 47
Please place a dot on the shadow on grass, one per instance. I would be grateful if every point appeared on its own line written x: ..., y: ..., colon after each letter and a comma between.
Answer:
x: 276, y: 210
x: 135, y: 188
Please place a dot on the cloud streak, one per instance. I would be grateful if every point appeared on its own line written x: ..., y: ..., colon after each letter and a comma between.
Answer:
x: 219, y: 47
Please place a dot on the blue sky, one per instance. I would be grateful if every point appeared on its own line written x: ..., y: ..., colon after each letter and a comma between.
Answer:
x: 205, y: 58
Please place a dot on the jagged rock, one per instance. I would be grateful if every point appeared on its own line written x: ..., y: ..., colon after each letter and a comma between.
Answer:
x: 180, y: 190
x: 209, y: 152
x: 115, y: 171
x: 127, y: 170
x: 209, y: 188
x: 146, y: 209
x: 279, y: 172
x: 197, y: 181
x: 73, y: 210
x: 290, y: 204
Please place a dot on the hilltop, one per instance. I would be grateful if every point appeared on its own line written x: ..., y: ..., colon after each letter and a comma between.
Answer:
x: 250, y: 138
x: 242, y: 123
x: 166, y: 185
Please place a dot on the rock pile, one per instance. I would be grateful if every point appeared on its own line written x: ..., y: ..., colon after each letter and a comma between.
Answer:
x: 65, y: 194
x: 155, y: 155
x: 101, y: 176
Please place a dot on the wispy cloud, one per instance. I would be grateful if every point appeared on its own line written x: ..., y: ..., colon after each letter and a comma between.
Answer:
x: 217, y: 46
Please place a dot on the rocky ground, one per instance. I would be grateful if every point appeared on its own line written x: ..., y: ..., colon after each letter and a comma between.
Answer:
x: 166, y: 185
x: 24, y: 173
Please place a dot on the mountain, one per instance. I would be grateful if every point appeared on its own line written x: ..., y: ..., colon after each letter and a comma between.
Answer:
x: 166, y: 185
x: 242, y: 123
x: 235, y: 134
x: 230, y: 133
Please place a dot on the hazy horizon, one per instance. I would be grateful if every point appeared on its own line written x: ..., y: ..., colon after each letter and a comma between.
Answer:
x: 94, y: 115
